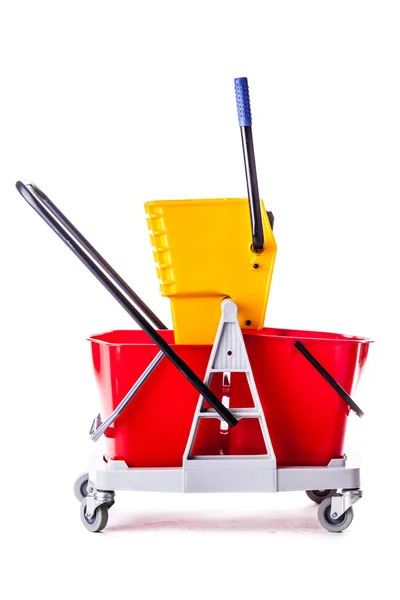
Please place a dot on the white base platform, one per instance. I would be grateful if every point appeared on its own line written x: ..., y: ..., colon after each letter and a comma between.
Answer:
x: 235, y: 476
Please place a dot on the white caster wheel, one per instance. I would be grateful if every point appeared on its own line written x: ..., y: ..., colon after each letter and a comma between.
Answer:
x: 318, y: 496
x: 98, y: 521
x: 331, y: 524
x: 81, y: 487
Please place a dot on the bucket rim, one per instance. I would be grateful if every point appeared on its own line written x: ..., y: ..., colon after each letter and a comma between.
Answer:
x: 277, y: 333
x: 294, y: 334
x: 96, y: 338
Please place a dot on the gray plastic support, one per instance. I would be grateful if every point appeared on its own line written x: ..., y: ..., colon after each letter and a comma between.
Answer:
x: 222, y: 472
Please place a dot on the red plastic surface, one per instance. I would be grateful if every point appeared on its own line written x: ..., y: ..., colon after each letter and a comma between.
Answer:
x: 305, y: 416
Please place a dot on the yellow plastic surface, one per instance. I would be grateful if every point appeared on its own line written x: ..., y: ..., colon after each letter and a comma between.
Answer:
x: 202, y: 250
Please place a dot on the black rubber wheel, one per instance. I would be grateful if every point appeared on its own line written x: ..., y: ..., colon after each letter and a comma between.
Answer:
x: 319, y: 496
x: 98, y: 521
x: 331, y: 524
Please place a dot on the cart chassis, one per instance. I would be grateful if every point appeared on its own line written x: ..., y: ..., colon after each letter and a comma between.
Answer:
x: 106, y: 477
x: 225, y: 473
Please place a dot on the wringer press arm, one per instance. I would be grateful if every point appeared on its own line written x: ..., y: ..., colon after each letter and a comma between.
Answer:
x: 245, y: 123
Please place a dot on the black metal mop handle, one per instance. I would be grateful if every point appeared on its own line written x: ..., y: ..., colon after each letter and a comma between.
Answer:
x: 89, y: 261
x: 114, y: 276
x: 245, y: 122
x: 93, y: 253
x: 328, y: 377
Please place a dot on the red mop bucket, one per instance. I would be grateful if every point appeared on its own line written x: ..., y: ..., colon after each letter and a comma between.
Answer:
x: 305, y: 416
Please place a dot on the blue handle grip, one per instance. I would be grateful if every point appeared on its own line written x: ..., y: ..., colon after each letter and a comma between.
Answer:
x: 243, y: 101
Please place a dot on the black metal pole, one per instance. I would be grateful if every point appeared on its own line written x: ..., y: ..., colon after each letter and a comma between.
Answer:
x: 328, y: 377
x: 126, y: 303
x: 245, y: 122
x: 92, y: 252
x: 117, y: 279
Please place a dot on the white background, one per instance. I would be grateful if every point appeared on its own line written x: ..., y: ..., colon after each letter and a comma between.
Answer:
x: 108, y: 104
